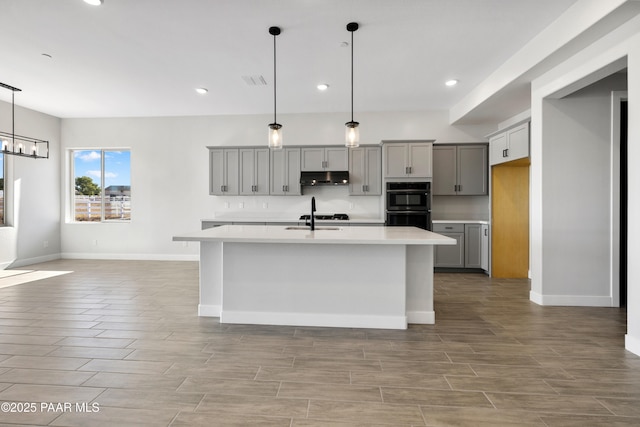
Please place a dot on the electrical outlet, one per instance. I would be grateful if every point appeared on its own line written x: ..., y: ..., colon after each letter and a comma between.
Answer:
x: 241, y: 205
x: 185, y: 244
x: 226, y: 205
x: 45, y: 244
x: 265, y: 205
x: 351, y: 206
x: 94, y: 242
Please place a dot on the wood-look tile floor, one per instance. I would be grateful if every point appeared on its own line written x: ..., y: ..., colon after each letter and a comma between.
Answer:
x: 122, y: 340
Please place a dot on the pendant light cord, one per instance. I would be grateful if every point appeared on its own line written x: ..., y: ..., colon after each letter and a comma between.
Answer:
x: 13, y: 120
x: 274, y: 79
x: 352, y: 76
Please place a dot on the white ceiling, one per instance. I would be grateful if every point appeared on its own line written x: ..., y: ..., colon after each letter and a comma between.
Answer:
x: 146, y: 57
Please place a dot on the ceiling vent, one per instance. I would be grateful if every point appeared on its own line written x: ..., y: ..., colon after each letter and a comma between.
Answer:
x: 254, y: 80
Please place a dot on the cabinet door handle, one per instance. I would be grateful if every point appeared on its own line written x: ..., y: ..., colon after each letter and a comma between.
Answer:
x: 222, y: 188
x: 507, y: 150
x: 448, y: 228
x: 486, y: 231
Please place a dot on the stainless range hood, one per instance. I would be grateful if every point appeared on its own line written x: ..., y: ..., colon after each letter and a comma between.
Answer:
x: 324, y: 178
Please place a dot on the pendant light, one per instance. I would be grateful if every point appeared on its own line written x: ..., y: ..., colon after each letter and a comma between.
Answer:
x: 18, y: 145
x: 275, y: 129
x: 352, y: 135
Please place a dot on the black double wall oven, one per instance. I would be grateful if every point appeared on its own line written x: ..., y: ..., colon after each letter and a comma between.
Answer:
x: 408, y: 204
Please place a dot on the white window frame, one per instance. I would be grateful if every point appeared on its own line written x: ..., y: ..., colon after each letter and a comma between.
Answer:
x: 71, y: 186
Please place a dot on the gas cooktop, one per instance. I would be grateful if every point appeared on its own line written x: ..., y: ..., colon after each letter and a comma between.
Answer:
x: 338, y: 216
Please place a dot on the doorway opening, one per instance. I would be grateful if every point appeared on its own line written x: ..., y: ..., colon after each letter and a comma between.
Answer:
x: 623, y: 203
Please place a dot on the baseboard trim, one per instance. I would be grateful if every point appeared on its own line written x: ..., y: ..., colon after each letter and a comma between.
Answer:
x: 421, y: 317
x: 209, y: 310
x: 632, y: 344
x: 314, y: 319
x: 34, y: 260
x: 130, y: 257
x: 571, y: 300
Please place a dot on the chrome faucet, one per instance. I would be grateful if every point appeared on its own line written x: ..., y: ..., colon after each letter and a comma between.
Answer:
x: 312, y: 221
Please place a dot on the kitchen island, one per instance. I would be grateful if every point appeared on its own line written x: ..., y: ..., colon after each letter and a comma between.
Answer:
x: 364, y: 277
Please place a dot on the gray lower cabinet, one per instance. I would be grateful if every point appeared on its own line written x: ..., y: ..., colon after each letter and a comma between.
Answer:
x: 472, y: 245
x: 450, y: 256
x: 471, y: 249
x: 484, y: 257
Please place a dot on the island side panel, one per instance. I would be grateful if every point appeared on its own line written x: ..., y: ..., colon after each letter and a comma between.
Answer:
x: 420, y: 284
x: 333, y: 285
x: 210, y: 279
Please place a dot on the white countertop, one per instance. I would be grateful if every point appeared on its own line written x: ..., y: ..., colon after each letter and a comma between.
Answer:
x: 460, y: 221
x: 259, y: 220
x: 343, y: 235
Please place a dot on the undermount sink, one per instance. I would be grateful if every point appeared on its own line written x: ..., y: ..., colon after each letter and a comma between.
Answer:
x: 309, y: 228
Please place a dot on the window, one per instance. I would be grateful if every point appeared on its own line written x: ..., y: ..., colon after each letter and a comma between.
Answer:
x: 101, y: 185
x: 1, y: 189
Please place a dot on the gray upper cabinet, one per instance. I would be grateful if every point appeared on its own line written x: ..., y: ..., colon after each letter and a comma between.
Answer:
x: 509, y: 144
x: 223, y: 171
x: 407, y: 160
x: 364, y: 171
x: 460, y: 170
x: 254, y: 171
x: 315, y: 159
x: 285, y: 172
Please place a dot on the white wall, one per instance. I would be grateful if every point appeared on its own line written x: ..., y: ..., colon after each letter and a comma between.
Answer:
x: 621, y: 43
x: 32, y: 190
x: 170, y: 173
x: 577, y: 196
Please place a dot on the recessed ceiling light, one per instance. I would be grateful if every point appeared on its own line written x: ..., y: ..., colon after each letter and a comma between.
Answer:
x: 451, y: 82
x: 323, y: 86
x: 202, y: 90
x: 94, y: 2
